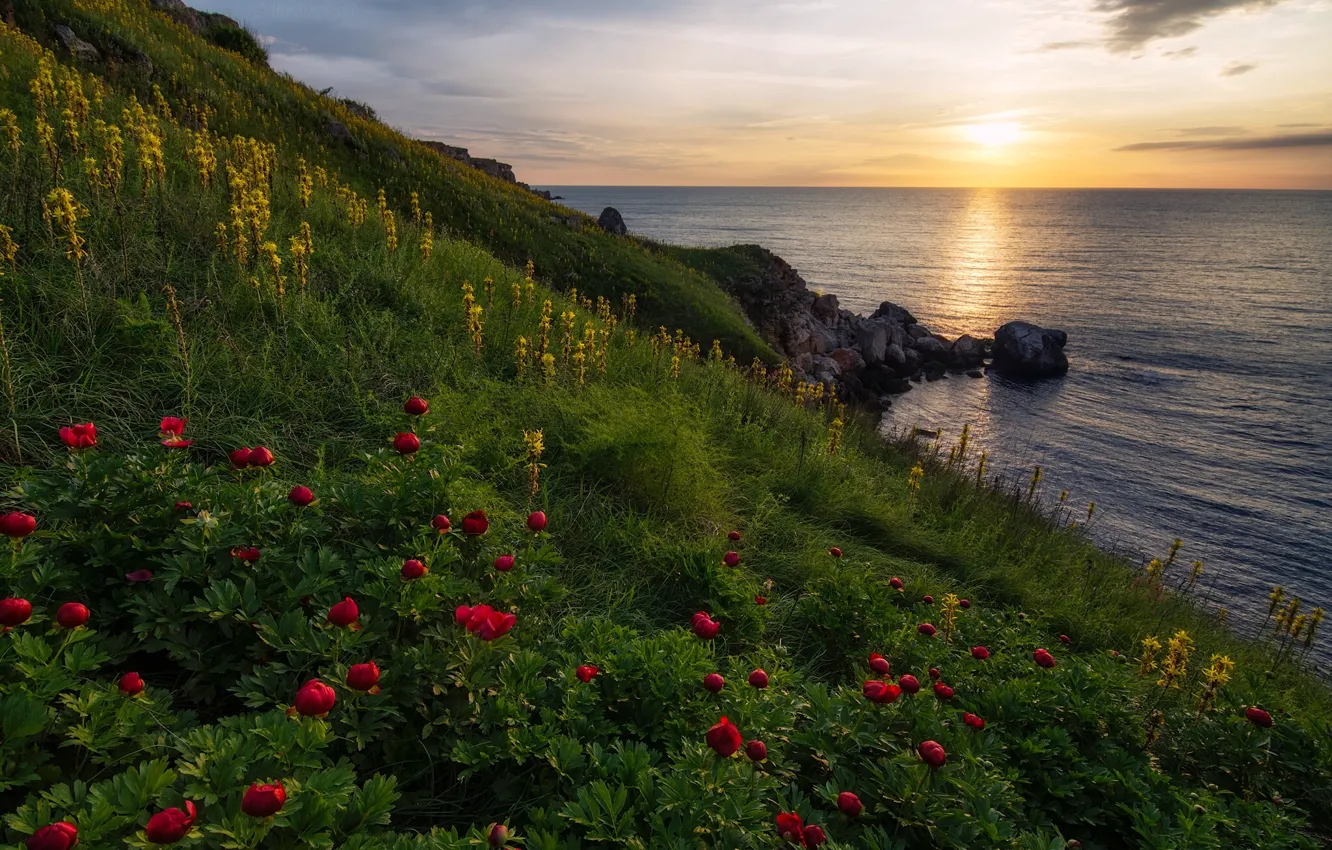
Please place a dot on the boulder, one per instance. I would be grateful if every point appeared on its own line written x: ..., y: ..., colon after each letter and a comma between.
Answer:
x: 848, y: 360
x: 1024, y: 350
x: 878, y: 378
x: 915, y: 331
x: 77, y: 47
x: 975, y: 373
x: 895, y: 356
x: 967, y: 352
x: 612, y: 222
x: 934, y: 370
x: 894, y: 314
x: 872, y: 340
x: 824, y: 309
x: 931, y: 348
x: 825, y: 369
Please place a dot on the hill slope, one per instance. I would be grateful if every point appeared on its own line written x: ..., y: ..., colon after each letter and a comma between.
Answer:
x: 162, y: 265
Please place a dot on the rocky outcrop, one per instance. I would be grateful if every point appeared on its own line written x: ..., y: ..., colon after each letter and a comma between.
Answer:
x: 1025, y: 350
x: 493, y: 167
x: 192, y: 19
x: 77, y: 47
x: 612, y: 222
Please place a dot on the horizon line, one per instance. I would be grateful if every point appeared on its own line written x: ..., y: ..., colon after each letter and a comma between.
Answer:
x: 553, y: 186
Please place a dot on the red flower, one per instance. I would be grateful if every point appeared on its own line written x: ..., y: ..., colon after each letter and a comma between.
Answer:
x: 172, y: 426
x: 170, y: 826
x: 61, y: 835
x: 260, y: 456
x: 1043, y: 658
x: 14, y: 612
x: 131, y: 684
x: 344, y: 613
x: 942, y: 691
x: 896, y: 583
x: 705, y: 627
x: 849, y: 804
x: 17, y: 524
x: 463, y: 614
x: 731, y: 559
x: 314, y: 699
x: 714, y: 682
x: 264, y: 801
x: 880, y: 692
x: 413, y: 569
x: 733, y: 535
x: 935, y: 674
x: 790, y: 827
x: 240, y: 458
x: 177, y: 443
x: 813, y: 835
x: 927, y: 599
x: 756, y: 750
x: 497, y: 625
x: 300, y: 495
x: 759, y: 679
x: 724, y: 738
x: 973, y: 721
x: 363, y: 677
x: 499, y: 833
x: 441, y: 523
x: 835, y: 552
x: 760, y: 600
x: 980, y: 653
x: 79, y: 436
x: 964, y: 604
x: 1065, y: 639
x: 536, y: 521
x: 475, y: 524
x: 1258, y: 717
x: 406, y: 443
x: 504, y: 563
x: 183, y: 506
x: 879, y: 664
x: 932, y: 753
x: 586, y: 672
x: 249, y: 554
x: 72, y: 615
x: 416, y: 406
x: 926, y: 629
x: 140, y: 575
x: 909, y: 683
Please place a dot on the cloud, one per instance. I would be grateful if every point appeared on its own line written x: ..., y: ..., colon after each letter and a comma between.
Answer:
x: 1234, y: 69
x: 1051, y: 46
x: 1182, y: 53
x: 1213, y: 131
x: 1133, y: 23
x: 1258, y: 143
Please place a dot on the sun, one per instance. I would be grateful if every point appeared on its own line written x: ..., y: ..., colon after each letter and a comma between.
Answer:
x: 994, y: 134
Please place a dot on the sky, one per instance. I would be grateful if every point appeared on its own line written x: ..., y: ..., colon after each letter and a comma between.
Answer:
x: 1104, y: 93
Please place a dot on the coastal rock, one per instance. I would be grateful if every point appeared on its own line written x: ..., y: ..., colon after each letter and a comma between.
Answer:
x: 872, y: 340
x: 894, y: 314
x: 824, y: 309
x: 612, y: 222
x: 915, y: 331
x: 1024, y: 350
x: 932, y: 348
x: 895, y: 356
x: 934, y: 370
x: 848, y: 360
x: 967, y: 352
x: 79, y: 48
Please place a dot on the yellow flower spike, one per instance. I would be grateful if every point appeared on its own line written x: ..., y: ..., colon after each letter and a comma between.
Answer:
x: 304, y: 183
x: 548, y: 367
x: 390, y: 230
x: 1176, y: 663
x: 675, y: 368
x: 1035, y: 482
x: 520, y: 357
x: 980, y: 468
x: 913, y: 481
x: 62, y: 212
x: 428, y: 243
x: 948, y: 615
x: 9, y: 128
x: 8, y: 248
x: 1147, y: 662
x: 535, y: 443
x: 416, y: 209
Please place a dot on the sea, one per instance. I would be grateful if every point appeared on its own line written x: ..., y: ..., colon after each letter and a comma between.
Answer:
x: 1198, y: 404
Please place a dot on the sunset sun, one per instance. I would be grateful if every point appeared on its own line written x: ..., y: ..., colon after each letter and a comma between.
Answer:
x: 994, y: 134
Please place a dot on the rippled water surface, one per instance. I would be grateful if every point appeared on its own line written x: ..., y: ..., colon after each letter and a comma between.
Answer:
x: 1199, y: 403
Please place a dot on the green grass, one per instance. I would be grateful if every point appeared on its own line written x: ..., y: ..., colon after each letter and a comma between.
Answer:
x: 646, y: 471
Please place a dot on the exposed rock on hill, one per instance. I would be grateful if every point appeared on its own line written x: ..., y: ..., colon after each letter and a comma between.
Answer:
x: 493, y: 167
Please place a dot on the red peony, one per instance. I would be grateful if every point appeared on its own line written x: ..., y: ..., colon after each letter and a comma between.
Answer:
x: 973, y: 721
x: 183, y: 506
x: 1065, y: 639
x: 463, y: 614
x: 363, y: 677
x: 504, y: 563
x: 943, y: 691
x: 760, y: 600
x: 441, y: 523
x: 139, y: 575
x: 14, y: 612
x: 172, y: 426
x: 300, y: 496
x: 714, y: 682
x: 536, y: 521
x: 17, y: 524
x: 813, y: 835
x: 935, y: 674
x: 980, y: 653
x: 724, y: 738
x: 131, y: 684
x: 733, y: 536
x: 413, y: 569
x: 849, y: 804
x: 1258, y: 717
x: 260, y: 456
x: 72, y: 615
x: 61, y: 835
x: 879, y: 664
x: 416, y: 406
x: 926, y: 629
x: 881, y: 693
x: 249, y: 554
x: 264, y: 801
x: 705, y: 627
x: 731, y: 559
x: 927, y: 599
x: 177, y: 443
x: 835, y: 552
x: 896, y: 583
x: 909, y: 683
x: 475, y: 524
x: 790, y: 827
x: 756, y: 750
x: 314, y: 699
x: 759, y: 679
x: 344, y: 613
x: 497, y: 625
x: 171, y: 825
x: 932, y: 753
x: 406, y: 443
x: 79, y: 436
x: 499, y: 833
x: 1043, y: 658
x: 586, y: 672
x: 964, y: 604
x: 240, y: 458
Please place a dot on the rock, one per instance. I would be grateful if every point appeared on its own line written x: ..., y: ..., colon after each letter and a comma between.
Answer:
x: 915, y: 331
x: 1024, y: 350
x: 898, y: 386
x: 895, y: 356
x: 975, y: 373
x: 967, y: 352
x: 931, y: 348
x: 77, y: 47
x: 824, y: 309
x: 934, y: 370
x: 913, y: 360
x: 612, y: 222
x: 894, y: 314
x: 573, y: 222
x: 495, y: 168
x: 339, y: 132
x: 825, y: 369
x: 872, y: 340
x: 878, y: 378
x: 848, y: 360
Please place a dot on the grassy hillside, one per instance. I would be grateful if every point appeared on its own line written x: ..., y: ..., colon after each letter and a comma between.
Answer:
x: 172, y: 273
